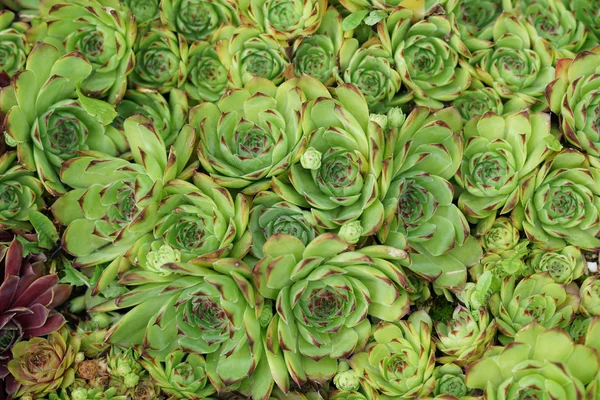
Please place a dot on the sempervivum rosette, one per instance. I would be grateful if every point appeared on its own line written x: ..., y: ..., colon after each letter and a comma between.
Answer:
x: 116, y: 202
x: 50, y: 121
x: 588, y: 12
x: 104, y: 35
x: 250, y: 53
x: 501, y: 155
x: 540, y: 364
x: 518, y: 64
x: 210, y: 309
x: 426, y: 55
x: 371, y: 69
x: 400, y: 359
x: 287, y: 19
x: 475, y: 20
x: 160, y: 60
x: 13, y: 44
x: 562, y: 205
x: 317, y: 55
x: 145, y: 11
x: 198, y: 19
x: 29, y: 297
x: 564, y: 265
x: 20, y: 193
x: 338, y: 171
x: 254, y: 133
x: 553, y: 22
x: 206, y: 76
x: 323, y: 295
x: 422, y: 155
x: 477, y: 101
x: 499, y: 235
x: 534, y: 299
x: 573, y: 95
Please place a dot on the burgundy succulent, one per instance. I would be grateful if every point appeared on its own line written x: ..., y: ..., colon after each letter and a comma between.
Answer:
x: 27, y: 298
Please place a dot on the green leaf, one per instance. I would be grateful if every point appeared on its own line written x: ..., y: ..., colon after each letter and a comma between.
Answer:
x: 28, y: 247
x: 374, y: 17
x: 353, y: 20
x: 104, y: 112
x: 74, y: 277
x: 46, y: 232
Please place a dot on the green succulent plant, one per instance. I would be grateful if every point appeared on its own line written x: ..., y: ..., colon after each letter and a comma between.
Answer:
x: 564, y: 266
x: 206, y: 76
x: 14, y: 47
x: 590, y: 297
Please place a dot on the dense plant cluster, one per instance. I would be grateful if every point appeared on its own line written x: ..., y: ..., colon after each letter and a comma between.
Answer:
x: 300, y: 199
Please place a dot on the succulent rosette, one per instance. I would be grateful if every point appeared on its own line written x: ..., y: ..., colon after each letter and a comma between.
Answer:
x: 167, y: 117
x: 198, y: 19
x: 370, y: 68
x: 419, y: 7
x: 534, y: 299
x: 501, y: 236
x: 20, y: 193
x: 144, y: 11
x: 270, y: 215
x: 501, y: 155
x: 340, y: 165
x: 587, y: 12
x: 465, y: 337
x: 564, y: 266
x: 50, y: 122
x: 206, y: 76
x: 553, y: 22
x: 29, y: 297
x: 400, y: 359
x: 104, y: 35
x: 249, y: 53
x: 562, y: 205
x: 590, y: 297
x: 115, y: 202
x: 317, y: 55
x: 475, y: 20
x: 160, y: 60
x: 40, y: 366
x: 324, y: 294
x: 422, y: 154
x: 13, y: 44
x: 183, y: 376
x: 478, y: 101
x: 287, y: 19
x: 426, y: 55
x: 573, y: 95
x: 450, y: 381
x: 253, y: 134
x: 540, y: 364
x: 517, y: 64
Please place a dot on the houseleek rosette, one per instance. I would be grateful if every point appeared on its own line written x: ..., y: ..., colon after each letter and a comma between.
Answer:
x: 250, y: 53
x: 160, y: 60
x: 181, y: 375
x: 167, y: 117
x: 371, y: 69
x: 502, y: 265
x: 519, y: 64
x: 475, y: 20
x: 573, y: 95
x: 562, y: 205
x: 590, y: 297
x: 104, y: 35
x: 422, y: 155
x: 271, y: 215
x: 116, y: 202
x: 540, y: 364
x: 554, y: 22
x: 287, y: 19
x: 400, y: 359
x: 145, y: 11
x: 317, y: 55
x: 465, y: 337
x: 450, y: 381
x: 206, y: 76
x: 324, y: 295
x: 426, y: 55
x: 13, y: 44
x: 502, y: 236
x: 564, y: 265
x: 50, y: 122
x: 198, y: 19
x: 339, y: 168
x: 534, y: 299
x: 501, y: 155
x: 209, y: 310
x: 587, y: 12
x: 253, y: 134
x: 478, y: 101
x: 20, y: 193
x: 42, y: 365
